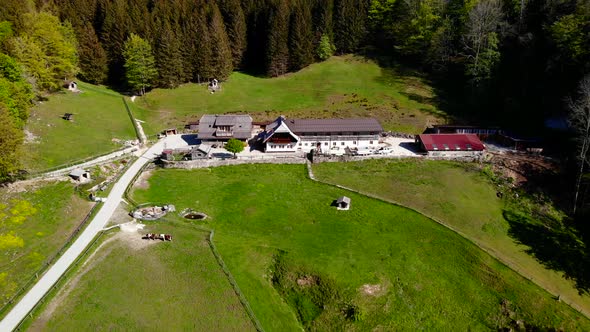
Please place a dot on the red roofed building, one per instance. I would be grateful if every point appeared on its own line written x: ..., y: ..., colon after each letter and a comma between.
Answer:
x: 434, y: 143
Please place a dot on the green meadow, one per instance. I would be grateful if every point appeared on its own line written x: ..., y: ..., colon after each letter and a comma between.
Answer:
x: 302, y: 263
x: 99, y: 120
x: 342, y: 86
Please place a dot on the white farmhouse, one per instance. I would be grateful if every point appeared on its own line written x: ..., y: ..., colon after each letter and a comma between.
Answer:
x: 323, y: 135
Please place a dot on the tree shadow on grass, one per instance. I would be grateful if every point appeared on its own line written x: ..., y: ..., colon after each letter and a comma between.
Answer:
x: 557, y: 246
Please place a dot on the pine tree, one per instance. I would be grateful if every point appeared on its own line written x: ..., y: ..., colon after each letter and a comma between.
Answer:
x: 277, y: 52
x: 93, y: 58
x: 300, y: 38
x: 322, y: 13
x: 202, y: 47
x: 221, y: 55
x: 349, y: 24
x: 114, y: 32
x: 139, y: 63
x: 235, y: 23
x: 168, y: 57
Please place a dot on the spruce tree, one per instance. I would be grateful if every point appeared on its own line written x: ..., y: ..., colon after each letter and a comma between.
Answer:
x: 114, y: 32
x: 221, y: 56
x: 277, y: 52
x: 93, y: 58
x: 322, y: 13
x: 189, y: 35
x: 300, y: 38
x: 235, y: 24
x: 202, y: 48
x: 168, y: 57
x: 349, y: 24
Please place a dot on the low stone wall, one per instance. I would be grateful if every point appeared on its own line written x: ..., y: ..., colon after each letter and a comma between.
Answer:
x: 227, y: 162
x: 449, y: 156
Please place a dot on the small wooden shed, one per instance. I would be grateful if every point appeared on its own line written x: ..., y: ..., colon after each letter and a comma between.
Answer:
x: 80, y: 175
x: 202, y: 151
x: 167, y: 154
x: 343, y: 203
x: 170, y: 131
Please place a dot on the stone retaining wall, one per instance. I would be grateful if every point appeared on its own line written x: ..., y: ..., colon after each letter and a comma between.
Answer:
x: 221, y: 162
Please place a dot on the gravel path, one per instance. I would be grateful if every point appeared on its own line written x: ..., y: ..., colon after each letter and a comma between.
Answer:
x: 36, y: 293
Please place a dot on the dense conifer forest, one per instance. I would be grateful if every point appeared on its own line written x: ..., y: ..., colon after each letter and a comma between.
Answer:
x: 513, y: 63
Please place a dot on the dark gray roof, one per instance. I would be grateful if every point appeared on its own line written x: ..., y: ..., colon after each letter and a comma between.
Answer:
x: 205, y: 148
x: 241, y: 126
x: 334, y: 125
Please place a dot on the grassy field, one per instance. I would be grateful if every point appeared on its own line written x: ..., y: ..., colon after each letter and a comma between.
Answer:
x: 459, y: 197
x: 131, y: 284
x: 301, y: 263
x: 99, y: 117
x: 34, y: 224
x: 346, y: 86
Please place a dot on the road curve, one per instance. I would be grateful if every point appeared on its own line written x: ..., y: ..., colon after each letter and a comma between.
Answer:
x: 51, y: 276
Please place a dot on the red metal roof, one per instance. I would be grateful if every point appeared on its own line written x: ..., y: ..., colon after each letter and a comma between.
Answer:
x: 451, y: 142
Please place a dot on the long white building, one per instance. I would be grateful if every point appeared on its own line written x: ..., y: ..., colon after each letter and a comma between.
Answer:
x: 323, y: 135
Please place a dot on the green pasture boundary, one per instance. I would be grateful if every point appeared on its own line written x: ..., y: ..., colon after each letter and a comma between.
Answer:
x: 214, y: 250
x: 24, y: 324
x: 73, y: 236
x: 133, y: 121
x: 233, y: 282
x: 70, y: 164
x: 48, y: 262
x: 489, y: 251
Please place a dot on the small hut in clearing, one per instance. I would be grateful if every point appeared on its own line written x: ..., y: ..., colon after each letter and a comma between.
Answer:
x: 202, y: 151
x: 343, y: 203
x: 68, y: 116
x: 80, y: 175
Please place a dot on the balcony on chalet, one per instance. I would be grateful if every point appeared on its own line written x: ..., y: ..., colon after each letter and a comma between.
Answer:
x: 223, y: 132
x: 339, y: 137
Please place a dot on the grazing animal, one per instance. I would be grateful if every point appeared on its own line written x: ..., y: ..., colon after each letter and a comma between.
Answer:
x: 153, y: 236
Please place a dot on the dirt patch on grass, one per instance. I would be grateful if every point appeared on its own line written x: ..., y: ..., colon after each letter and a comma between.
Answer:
x: 31, y: 138
x: 31, y: 185
x: 372, y: 290
x: 142, y: 181
x: 306, y: 281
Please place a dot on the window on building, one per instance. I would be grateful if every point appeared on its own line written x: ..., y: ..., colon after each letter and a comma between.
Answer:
x: 305, y: 144
x: 354, y: 142
x: 326, y: 143
x: 342, y: 143
x: 370, y: 142
x: 468, y: 147
x: 334, y: 143
x: 434, y: 147
x: 446, y: 147
x: 457, y: 147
